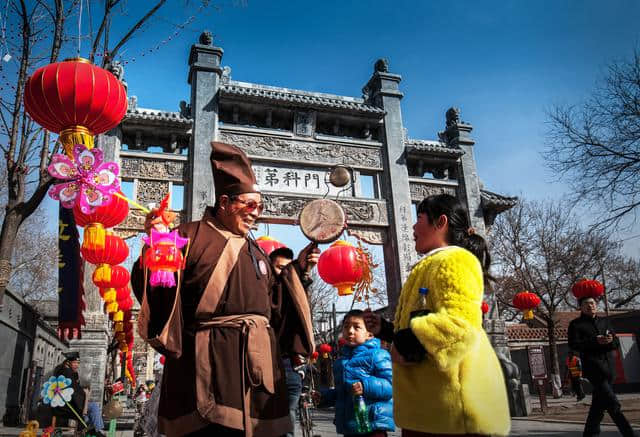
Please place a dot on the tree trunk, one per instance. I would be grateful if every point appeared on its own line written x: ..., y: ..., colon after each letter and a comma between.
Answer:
x: 10, y: 227
x: 553, y: 354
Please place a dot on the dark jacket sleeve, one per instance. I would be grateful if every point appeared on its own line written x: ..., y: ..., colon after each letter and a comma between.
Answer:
x: 377, y: 385
x: 580, y: 341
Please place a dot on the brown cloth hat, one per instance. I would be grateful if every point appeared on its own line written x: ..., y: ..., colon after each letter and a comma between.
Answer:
x: 232, y: 172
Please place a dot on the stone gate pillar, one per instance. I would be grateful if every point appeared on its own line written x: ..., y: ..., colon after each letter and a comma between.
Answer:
x: 205, y: 76
x: 382, y: 90
x: 458, y: 135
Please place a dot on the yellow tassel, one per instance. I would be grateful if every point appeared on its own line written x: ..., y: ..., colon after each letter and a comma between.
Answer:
x: 118, y: 316
x: 119, y: 327
x: 102, y: 273
x: 124, y: 348
x: 112, y: 307
x: 344, y: 289
x: 75, y: 135
x: 528, y: 314
x: 94, y: 236
x: 109, y: 296
x: 121, y: 337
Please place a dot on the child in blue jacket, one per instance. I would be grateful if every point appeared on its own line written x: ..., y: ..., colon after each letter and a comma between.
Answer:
x: 363, y: 368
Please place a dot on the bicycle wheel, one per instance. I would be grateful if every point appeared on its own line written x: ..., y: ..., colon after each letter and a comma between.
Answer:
x: 305, y: 421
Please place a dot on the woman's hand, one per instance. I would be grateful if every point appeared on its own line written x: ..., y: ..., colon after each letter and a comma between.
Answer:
x: 373, y: 321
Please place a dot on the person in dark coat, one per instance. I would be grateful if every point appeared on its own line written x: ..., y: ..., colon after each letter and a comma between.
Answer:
x: 69, y: 369
x: 594, y: 338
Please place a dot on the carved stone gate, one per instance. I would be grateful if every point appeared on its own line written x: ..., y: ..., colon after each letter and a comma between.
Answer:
x: 293, y: 138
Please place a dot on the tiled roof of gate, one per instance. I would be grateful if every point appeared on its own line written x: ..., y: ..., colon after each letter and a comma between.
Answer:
x: 497, y: 200
x: 429, y: 146
x: 252, y: 91
x: 147, y: 114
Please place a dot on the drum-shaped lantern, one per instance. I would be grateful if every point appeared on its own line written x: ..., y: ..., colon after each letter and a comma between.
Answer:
x: 526, y: 301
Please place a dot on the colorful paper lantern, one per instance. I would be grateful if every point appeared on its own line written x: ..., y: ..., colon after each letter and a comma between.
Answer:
x: 164, y: 257
x: 75, y: 99
x: 95, y: 224
x: 526, y: 302
x: 268, y: 244
x: 587, y: 288
x: 115, y: 251
x: 339, y: 266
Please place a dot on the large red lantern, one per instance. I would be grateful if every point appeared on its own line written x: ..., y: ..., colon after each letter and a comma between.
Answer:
x: 587, y: 288
x: 115, y: 251
x: 105, y: 216
x: 268, y: 244
x: 325, y: 349
x: 339, y: 266
x: 526, y: 302
x: 75, y: 99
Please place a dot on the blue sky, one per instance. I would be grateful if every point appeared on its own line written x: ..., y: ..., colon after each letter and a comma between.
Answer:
x: 501, y: 62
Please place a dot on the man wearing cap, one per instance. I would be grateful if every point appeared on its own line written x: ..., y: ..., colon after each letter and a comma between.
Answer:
x: 218, y: 326
x: 594, y: 338
x: 69, y: 369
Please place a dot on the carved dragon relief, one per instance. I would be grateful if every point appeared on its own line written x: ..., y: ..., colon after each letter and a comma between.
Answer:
x: 295, y: 150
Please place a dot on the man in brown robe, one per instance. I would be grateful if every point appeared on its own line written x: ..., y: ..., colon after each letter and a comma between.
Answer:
x: 223, y: 326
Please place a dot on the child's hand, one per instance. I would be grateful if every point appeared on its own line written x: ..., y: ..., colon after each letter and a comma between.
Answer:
x: 356, y: 389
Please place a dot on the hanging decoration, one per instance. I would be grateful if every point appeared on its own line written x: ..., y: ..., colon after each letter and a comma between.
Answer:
x: 526, y: 302
x: 114, y: 252
x: 108, y: 215
x: 314, y: 357
x: 325, y: 349
x: 164, y: 257
x: 76, y: 100
x: 57, y: 392
x: 484, y: 307
x: 89, y: 181
x: 587, y: 288
x: 269, y: 244
x: 339, y: 266
x: 363, y: 288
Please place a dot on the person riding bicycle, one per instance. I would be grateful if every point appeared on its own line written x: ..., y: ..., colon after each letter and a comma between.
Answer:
x: 362, y: 369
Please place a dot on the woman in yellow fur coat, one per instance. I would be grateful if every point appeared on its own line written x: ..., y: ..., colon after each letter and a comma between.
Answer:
x: 447, y: 379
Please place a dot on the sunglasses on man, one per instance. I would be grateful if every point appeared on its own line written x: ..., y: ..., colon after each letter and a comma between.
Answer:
x: 250, y: 205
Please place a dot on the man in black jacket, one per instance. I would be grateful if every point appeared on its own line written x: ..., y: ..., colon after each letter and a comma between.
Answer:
x: 594, y: 338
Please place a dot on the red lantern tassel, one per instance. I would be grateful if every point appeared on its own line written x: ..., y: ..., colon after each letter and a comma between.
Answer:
x: 94, y: 236
x: 528, y: 314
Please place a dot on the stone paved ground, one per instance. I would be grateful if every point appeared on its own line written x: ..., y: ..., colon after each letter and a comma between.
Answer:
x: 566, y: 418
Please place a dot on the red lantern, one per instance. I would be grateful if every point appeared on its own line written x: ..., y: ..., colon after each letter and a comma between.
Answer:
x: 484, y: 307
x: 325, y: 350
x: 587, y: 288
x: 75, y: 99
x: 105, y: 216
x: 341, y: 342
x: 268, y: 244
x: 526, y: 302
x: 314, y: 356
x: 115, y: 251
x: 118, y: 278
x: 162, y: 359
x: 339, y: 266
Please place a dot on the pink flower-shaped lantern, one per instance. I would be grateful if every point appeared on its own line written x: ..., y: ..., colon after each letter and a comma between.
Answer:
x: 90, y: 181
x: 164, y: 257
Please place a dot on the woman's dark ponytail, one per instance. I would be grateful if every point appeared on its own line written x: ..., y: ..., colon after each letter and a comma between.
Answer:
x: 460, y: 231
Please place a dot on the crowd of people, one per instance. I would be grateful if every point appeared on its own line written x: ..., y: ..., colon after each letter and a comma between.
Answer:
x: 236, y: 332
